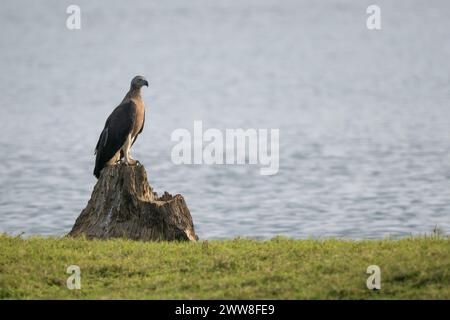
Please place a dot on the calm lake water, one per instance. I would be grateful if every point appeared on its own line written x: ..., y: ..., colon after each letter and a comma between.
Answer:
x: 364, y: 116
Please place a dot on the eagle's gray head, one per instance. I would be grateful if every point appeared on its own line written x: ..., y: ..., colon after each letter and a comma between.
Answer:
x: 138, y: 82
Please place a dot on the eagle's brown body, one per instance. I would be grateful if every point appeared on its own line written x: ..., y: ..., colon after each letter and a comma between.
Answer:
x: 121, y: 129
x: 140, y: 115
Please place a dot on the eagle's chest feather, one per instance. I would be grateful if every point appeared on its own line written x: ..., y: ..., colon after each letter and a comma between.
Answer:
x: 140, y: 113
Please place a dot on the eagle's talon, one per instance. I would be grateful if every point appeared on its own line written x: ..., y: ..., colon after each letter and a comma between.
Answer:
x: 130, y: 162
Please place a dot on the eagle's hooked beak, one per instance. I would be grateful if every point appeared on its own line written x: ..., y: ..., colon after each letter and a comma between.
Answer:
x: 145, y: 83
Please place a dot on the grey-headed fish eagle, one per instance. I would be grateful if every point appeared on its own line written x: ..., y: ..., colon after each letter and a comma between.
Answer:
x: 121, y: 129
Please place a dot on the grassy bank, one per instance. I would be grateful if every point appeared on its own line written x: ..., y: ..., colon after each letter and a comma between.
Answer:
x: 233, y: 269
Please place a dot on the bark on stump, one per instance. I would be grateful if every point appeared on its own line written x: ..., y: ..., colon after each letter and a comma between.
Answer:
x: 123, y: 205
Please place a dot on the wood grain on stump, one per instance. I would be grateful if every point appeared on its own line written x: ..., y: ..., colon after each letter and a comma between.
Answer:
x: 123, y: 205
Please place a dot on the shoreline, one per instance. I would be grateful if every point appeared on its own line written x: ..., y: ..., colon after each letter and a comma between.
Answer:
x: 280, y: 268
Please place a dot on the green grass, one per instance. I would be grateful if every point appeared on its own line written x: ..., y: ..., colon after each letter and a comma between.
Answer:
x: 35, y: 268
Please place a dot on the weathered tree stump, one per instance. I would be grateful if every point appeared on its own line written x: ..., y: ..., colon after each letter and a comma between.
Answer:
x: 123, y: 205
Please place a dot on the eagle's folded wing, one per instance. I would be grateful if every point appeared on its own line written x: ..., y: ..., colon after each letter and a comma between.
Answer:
x: 117, y: 128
